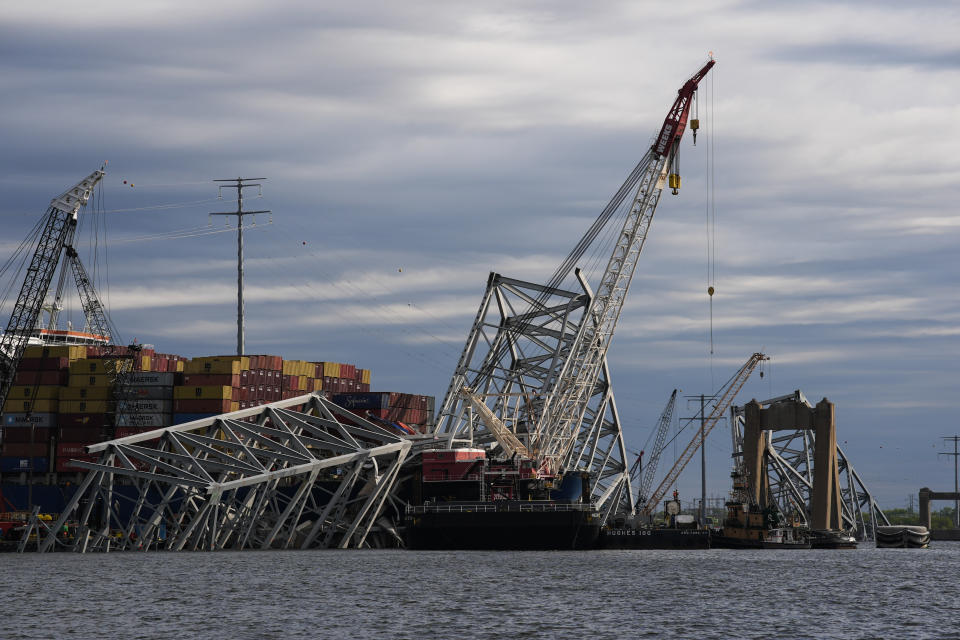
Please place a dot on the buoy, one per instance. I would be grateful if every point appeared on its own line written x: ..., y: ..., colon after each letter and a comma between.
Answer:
x: 710, y: 291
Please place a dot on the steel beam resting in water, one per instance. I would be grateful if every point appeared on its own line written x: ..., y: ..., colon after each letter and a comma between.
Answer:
x: 302, y: 473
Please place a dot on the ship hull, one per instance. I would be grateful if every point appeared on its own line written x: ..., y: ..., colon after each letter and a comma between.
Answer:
x: 502, y: 530
x: 654, y: 539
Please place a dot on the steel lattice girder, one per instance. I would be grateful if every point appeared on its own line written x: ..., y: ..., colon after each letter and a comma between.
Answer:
x: 519, y: 343
x: 302, y: 472
x: 790, y: 469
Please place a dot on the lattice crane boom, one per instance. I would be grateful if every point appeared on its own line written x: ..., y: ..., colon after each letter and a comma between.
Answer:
x: 57, y: 232
x: 725, y: 398
x: 566, y: 402
x: 663, y: 426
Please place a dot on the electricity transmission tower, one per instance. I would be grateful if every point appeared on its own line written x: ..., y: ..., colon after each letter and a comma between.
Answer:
x: 240, y: 184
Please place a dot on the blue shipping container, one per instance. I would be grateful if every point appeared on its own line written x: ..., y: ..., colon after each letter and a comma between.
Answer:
x: 8, y: 464
x: 361, y: 400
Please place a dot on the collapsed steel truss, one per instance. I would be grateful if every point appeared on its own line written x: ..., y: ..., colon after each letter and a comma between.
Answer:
x: 790, y: 468
x: 301, y: 473
x: 520, y: 341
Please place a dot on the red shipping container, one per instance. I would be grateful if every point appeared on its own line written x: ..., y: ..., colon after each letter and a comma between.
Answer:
x: 81, y: 420
x: 27, y: 434
x: 43, y: 364
x: 25, y: 449
x: 123, y: 432
x: 211, y: 380
x: 71, y: 449
x: 81, y: 434
x: 348, y: 371
x: 201, y: 406
x: 42, y: 377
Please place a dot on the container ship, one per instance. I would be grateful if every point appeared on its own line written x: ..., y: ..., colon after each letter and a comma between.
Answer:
x: 62, y: 400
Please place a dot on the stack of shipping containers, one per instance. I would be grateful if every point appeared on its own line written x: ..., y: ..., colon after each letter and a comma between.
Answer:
x: 62, y: 400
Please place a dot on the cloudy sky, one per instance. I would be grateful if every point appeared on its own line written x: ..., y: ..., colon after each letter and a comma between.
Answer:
x: 411, y: 148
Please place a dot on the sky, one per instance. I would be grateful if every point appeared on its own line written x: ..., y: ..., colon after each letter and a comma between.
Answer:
x: 411, y: 148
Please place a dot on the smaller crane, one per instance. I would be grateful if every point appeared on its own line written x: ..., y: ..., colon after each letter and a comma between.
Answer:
x: 663, y: 426
x: 725, y: 397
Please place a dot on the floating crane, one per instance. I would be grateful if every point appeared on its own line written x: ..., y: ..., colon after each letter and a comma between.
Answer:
x: 567, y: 396
x: 724, y: 398
x: 536, y: 354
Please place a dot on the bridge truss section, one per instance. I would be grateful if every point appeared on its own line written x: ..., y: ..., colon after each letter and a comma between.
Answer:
x: 517, y: 348
x: 299, y: 473
x: 790, y: 469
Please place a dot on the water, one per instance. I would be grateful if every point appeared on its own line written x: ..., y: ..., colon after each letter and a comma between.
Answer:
x: 867, y: 593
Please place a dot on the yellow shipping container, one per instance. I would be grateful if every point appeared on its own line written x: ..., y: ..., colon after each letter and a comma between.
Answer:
x: 331, y: 369
x: 234, y: 406
x: 202, y: 393
x: 96, y: 366
x: 20, y: 405
x: 180, y: 364
x: 71, y: 352
x: 83, y: 380
x: 232, y: 365
x: 34, y: 392
x: 87, y: 393
x: 316, y: 384
x: 302, y: 383
x: 144, y: 363
x: 365, y: 376
x: 84, y: 406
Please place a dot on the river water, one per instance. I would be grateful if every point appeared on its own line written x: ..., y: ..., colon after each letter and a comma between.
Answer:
x: 867, y: 593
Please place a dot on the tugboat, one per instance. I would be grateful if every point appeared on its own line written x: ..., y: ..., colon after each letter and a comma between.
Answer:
x: 750, y: 526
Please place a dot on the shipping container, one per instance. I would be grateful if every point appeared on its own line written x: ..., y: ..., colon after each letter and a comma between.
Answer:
x: 147, y: 393
x: 213, y: 379
x: 86, y: 406
x: 144, y: 406
x: 123, y: 432
x: 29, y: 419
x: 75, y: 352
x: 71, y: 449
x: 25, y: 449
x: 99, y: 366
x: 81, y: 420
x: 30, y: 406
x: 365, y: 376
x: 218, y: 364
x: 86, y: 393
x: 27, y: 434
x: 33, y: 392
x: 202, y: 393
x: 84, y: 380
x: 331, y: 369
x: 347, y: 371
x: 58, y: 377
x: 202, y: 406
x: 180, y: 418
x: 43, y: 364
x: 81, y: 434
x: 150, y: 379
x: 376, y: 400
x: 39, y: 464
x: 154, y: 420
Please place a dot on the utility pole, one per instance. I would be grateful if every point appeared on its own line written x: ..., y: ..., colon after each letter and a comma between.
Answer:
x: 240, y: 184
x: 956, y: 485
x: 703, y: 456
